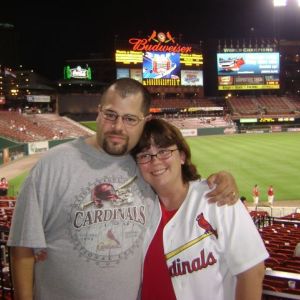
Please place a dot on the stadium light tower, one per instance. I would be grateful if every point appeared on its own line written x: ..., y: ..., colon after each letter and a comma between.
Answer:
x: 279, y: 3
x: 283, y: 3
x: 285, y: 9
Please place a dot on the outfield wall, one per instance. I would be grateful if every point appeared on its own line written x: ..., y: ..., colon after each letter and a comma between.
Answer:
x: 233, y: 130
x: 13, y: 151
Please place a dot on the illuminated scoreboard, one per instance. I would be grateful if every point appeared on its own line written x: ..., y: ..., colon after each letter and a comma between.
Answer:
x: 267, y: 120
x: 191, y: 60
x: 248, y: 70
x: 159, y: 61
x: 165, y: 81
x: 129, y: 57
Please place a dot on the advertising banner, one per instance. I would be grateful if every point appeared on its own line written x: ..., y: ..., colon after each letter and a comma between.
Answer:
x: 248, y: 63
x: 37, y: 147
x: 136, y: 74
x: 248, y: 71
x: 38, y: 98
x: 189, y: 132
x: 122, y: 73
x: 192, y: 77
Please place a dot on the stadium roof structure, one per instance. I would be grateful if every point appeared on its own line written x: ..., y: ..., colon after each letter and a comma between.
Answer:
x: 81, y: 82
x: 37, y: 86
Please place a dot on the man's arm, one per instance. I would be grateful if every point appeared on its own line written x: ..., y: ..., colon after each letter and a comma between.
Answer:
x: 225, y: 191
x: 249, y: 283
x: 22, y: 266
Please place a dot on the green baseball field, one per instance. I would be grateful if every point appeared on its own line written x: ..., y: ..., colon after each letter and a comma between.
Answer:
x: 263, y: 159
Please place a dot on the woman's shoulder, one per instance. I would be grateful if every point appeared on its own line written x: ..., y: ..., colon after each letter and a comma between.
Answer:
x: 199, y: 186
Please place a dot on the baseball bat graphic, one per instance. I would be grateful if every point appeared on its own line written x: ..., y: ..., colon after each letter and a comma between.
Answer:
x: 153, y: 35
x: 126, y: 183
x: 170, y: 38
x: 187, y: 245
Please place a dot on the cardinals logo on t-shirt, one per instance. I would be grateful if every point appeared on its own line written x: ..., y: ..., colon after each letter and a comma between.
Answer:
x: 204, y: 224
x: 106, y: 192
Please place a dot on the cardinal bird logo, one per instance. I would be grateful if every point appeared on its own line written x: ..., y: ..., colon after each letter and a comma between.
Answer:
x: 109, y: 242
x: 204, y: 224
x: 112, y: 237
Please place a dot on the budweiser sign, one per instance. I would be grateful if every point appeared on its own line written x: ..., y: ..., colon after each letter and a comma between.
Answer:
x: 158, y: 42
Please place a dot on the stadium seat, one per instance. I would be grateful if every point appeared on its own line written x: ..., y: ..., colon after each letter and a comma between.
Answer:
x: 286, y: 269
x: 291, y: 291
x: 270, y: 287
x: 272, y: 262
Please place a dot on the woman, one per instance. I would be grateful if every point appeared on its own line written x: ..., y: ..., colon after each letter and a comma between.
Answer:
x: 199, y: 250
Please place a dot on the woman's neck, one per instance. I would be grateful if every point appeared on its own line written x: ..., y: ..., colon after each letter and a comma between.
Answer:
x: 172, y: 197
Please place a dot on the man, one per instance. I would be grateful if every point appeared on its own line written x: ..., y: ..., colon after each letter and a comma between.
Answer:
x: 3, y: 186
x: 244, y: 201
x: 255, y: 194
x: 86, y: 204
x: 270, y: 195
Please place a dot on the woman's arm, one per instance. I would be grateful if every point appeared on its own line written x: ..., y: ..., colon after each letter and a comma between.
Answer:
x: 249, y: 283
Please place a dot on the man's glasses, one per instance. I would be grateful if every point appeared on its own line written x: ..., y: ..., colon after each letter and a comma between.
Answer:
x: 128, y: 120
x: 144, y: 158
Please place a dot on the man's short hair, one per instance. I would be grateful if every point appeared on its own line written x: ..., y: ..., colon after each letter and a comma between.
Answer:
x: 129, y: 86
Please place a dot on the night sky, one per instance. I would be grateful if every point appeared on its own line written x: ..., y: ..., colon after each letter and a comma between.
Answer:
x: 51, y: 31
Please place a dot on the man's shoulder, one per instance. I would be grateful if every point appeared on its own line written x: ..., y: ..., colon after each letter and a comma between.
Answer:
x: 61, y: 152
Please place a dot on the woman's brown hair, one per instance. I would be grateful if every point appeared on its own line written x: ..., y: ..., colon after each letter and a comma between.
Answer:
x: 163, y: 134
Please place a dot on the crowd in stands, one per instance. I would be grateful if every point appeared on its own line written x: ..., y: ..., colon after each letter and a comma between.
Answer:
x: 199, y: 122
x: 185, y: 103
x: 264, y: 105
x: 38, y: 127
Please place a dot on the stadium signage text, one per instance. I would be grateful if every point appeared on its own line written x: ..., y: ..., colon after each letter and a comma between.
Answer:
x: 78, y: 72
x: 38, y: 98
x: 37, y: 147
x: 254, y: 131
x: 249, y: 87
x: 161, y: 40
x: 233, y: 50
x: 266, y: 120
x: 188, y: 132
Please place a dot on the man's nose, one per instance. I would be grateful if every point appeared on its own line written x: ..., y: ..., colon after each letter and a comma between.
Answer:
x: 119, y: 123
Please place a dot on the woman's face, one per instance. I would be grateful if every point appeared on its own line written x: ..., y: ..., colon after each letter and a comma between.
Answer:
x: 163, y: 167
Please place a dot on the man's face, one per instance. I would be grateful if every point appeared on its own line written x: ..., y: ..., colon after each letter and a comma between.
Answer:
x: 117, y: 137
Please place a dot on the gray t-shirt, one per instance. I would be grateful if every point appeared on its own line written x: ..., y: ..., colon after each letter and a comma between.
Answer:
x: 88, y: 211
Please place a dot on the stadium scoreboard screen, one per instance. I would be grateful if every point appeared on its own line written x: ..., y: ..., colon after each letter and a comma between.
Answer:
x: 248, y: 71
x: 129, y: 57
x: 161, y: 68
x: 159, y: 60
x: 77, y: 72
x: 267, y: 120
